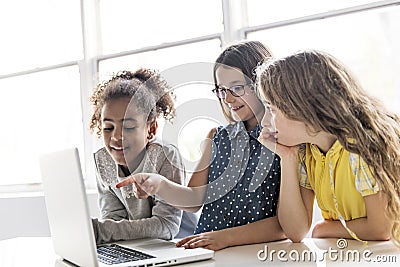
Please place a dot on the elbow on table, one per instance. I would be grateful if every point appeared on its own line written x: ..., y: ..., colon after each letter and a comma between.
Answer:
x: 380, y: 234
x: 295, y: 237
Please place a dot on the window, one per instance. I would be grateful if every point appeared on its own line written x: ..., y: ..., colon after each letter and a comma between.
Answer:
x: 53, y: 57
x: 366, y: 42
x: 39, y: 34
x: 39, y: 83
x: 288, y: 9
x: 40, y: 112
x: 163, y: 59
x: 127, y: 24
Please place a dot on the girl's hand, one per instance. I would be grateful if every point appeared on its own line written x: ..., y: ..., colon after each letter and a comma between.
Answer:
x: 144, y: 184
x: 268, y: 140
x: 210, y: 240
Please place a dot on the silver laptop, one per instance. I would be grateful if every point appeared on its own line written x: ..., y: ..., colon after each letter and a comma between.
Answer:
x: 72, y: 231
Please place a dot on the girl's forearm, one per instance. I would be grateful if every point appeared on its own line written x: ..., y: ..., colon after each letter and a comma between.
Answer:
x: 265, y: 230
x: 291, y: 204
x: 375, y: 226
x: 183, y: 197
x: 364, y: 229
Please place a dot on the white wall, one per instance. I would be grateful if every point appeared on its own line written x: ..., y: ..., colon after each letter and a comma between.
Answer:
x: 26, y: 215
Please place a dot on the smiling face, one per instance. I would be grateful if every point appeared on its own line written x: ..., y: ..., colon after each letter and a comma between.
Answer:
x: 247, y: 108
x: 125, y: 136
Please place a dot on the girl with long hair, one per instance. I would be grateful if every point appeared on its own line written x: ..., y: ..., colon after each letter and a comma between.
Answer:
x: 336, y: 143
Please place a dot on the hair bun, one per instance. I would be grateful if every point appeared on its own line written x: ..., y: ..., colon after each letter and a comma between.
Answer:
x: 144, y: 74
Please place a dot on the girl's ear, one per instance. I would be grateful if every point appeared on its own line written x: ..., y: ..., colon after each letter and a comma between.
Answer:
x: 152, y: 130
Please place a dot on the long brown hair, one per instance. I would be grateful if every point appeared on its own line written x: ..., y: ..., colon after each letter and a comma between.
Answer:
x: 315, y: 88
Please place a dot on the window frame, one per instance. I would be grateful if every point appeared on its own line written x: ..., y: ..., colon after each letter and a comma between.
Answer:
x: 235, y: 28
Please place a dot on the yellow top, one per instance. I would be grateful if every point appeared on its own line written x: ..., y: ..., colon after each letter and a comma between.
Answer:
x: 351, y: 181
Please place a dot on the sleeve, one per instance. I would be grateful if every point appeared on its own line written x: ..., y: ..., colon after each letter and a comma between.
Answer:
x: 110, y: 205
x: 364, y: 180
x: 164, y: 221
x: 111, y: 211
x: 163, y: 224
x: 172, y: 168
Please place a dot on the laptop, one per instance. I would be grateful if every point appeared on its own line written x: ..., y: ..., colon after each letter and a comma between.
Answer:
x: 72, y: 231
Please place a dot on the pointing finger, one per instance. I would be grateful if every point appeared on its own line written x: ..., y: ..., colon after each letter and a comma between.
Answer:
x: 128, y: 181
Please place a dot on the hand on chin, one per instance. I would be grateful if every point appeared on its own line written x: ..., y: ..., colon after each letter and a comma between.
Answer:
x: 272, y: 144
x: 267, y: 139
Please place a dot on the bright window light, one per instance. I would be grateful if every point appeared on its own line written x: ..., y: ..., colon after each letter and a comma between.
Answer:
x: 40, y: 112
x: 128, y: 24
x: 366, y: 42
x: 39, y: 33
x: 262, y: 12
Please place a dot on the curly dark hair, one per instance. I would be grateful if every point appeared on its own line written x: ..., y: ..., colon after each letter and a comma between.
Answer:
x: 147, y: 89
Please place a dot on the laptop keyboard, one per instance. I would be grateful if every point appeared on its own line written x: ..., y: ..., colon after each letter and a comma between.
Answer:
x: 114, y: 254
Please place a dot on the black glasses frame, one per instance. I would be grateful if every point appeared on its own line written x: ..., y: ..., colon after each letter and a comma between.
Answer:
x: 221, y: 91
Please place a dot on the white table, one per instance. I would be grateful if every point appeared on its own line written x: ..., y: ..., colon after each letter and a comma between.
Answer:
x: 38, y: 251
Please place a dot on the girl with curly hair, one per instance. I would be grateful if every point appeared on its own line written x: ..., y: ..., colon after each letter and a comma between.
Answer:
x: 126, y: 108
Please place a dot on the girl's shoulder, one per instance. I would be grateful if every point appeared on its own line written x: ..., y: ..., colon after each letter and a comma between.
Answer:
x: 156, y: 146
x: 105, y: 166
x: 219, y: 130
x: 157, y: 152
x: 102, y: 157
x: 225, y: 130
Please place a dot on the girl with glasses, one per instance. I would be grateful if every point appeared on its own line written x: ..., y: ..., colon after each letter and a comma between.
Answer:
x: 236, y: 182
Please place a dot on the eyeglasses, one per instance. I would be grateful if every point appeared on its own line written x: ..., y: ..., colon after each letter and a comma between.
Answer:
x: 236, y: 90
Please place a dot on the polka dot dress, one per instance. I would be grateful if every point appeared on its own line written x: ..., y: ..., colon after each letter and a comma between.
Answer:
x: 243, y: 178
